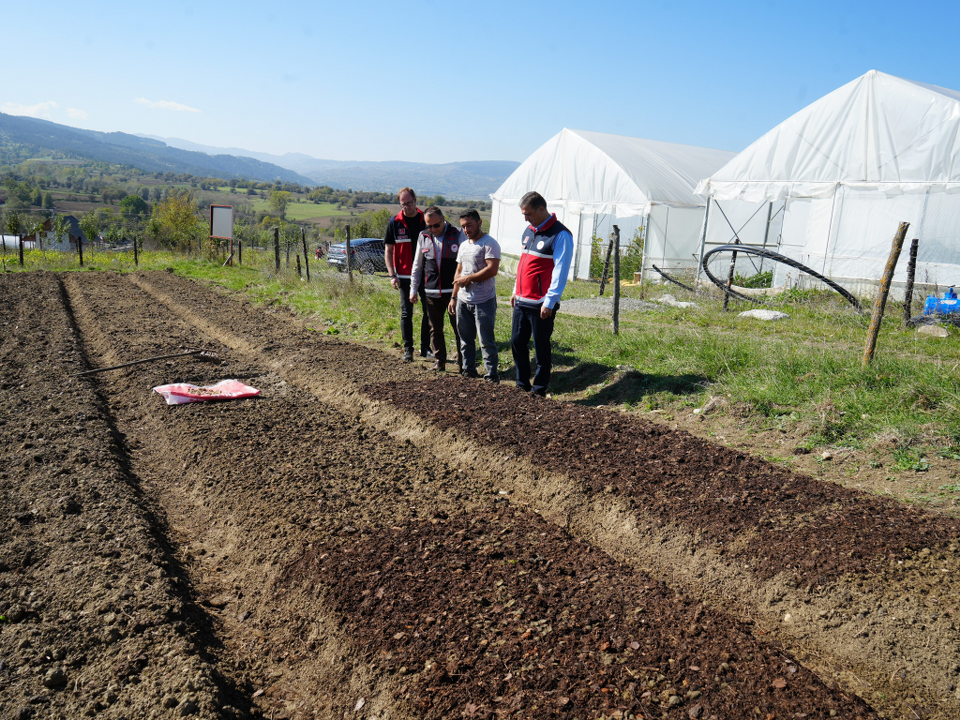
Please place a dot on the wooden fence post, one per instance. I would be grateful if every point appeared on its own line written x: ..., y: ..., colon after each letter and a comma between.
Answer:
x: 80, y: 248
x: 299, y: 275
x: 733, y: 267
x: 306, y: 258
x: 606, y: 266
x: 911, y: 272
x: 276, y: 248
x: 240, y: 252
x: 882, y: 294
x: 616, y: 280
x: 349, y: 259
x: 136, y: 254
x: 20, y: 239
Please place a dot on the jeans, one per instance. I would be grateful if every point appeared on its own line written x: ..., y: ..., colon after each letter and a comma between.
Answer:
x: 474, y: 319
x: 406, y: 318
x: 527, y: 322
x: 436, y: 308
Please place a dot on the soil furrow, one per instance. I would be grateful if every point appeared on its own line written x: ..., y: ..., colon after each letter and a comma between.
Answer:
x: 273, y: 499
x: 94, y: 621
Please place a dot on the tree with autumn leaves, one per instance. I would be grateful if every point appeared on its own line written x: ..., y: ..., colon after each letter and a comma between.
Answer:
x: 176, y: 221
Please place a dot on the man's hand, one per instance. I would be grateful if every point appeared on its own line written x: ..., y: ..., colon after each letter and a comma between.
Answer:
x: 452, y: 307
x: 413, y: 299
x: 545, y: 312
x: 513, y: 300
x: 395, y: 282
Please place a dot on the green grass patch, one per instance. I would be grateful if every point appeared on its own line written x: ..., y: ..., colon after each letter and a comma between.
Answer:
x: 298, y: 211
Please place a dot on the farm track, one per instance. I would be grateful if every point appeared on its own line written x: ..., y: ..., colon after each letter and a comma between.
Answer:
x: 388, y: 549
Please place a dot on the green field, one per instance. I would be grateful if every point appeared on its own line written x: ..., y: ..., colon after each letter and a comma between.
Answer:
x: 305, y: 210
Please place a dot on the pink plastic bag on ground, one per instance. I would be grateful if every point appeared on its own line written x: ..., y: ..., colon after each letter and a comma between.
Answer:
x: 179, y: 393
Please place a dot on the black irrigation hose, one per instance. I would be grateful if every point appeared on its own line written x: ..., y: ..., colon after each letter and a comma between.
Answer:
x: 776, y: 257
x: 674, y: 281
x: 934, y: 319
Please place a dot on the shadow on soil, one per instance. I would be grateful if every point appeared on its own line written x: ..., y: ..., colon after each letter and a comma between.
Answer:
x: 630, y: 387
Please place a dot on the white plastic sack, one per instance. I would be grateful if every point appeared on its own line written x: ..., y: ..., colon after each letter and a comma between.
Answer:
x: 179, y: 393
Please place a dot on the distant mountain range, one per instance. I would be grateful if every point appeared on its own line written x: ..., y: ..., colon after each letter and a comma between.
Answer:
x: 472, y: 179
x: 41, y: 137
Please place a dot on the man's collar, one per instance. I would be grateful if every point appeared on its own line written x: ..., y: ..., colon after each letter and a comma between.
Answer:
x: 546, y: 223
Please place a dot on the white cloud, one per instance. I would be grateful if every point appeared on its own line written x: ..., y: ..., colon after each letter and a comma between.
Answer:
x: 77, y: 114
x: 40, y: 110
x: 166, y: 105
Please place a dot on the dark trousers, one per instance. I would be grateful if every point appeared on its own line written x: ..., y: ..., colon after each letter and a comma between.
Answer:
x: 406, y: 318
x: 437, y: 308
x: 526, y: 323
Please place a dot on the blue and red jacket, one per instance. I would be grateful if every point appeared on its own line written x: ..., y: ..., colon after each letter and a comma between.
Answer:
x: 402, y: 232
x: 543, y: 249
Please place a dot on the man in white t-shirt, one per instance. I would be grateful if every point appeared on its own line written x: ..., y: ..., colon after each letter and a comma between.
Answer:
x: 475, y: 296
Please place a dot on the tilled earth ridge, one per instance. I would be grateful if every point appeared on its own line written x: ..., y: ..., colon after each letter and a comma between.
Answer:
x: 94, y: 617
x: 248, y: 486
x: 888, y: 633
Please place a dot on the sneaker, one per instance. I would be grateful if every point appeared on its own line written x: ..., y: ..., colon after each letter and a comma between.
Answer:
x: 427, y: 354
x: 439, y: 366
x: 408, y: 354
x: 468, y: 374
x: 495, y: 379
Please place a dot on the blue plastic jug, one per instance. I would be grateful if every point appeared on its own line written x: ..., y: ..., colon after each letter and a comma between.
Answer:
x: 949, y: 303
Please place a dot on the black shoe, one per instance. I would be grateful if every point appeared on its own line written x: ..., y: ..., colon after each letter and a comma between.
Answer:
x: 495, y: 379
x: 439, y: 366
x: 468, y: 374
x: 427, y: 354
x: 408, y: 354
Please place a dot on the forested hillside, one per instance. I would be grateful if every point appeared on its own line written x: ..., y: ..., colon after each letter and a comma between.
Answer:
x: 24, y: 138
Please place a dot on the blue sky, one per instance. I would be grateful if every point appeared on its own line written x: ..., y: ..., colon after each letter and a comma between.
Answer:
x: 441, y: 81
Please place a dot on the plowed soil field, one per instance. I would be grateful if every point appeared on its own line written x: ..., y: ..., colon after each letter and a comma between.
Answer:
x: 367, y: 540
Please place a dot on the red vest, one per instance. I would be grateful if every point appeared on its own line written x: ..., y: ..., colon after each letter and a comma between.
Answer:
x: 535, y: 270
x: 402, y: 233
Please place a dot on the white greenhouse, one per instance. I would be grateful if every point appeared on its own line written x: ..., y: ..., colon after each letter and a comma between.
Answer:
x: 829, y: 186
x: 593, y: 181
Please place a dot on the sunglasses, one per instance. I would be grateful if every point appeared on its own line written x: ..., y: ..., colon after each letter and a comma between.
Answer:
x: 436, y: 226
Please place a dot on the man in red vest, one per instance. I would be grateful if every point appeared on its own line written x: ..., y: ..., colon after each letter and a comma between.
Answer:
x: 401, y: 235
x: 541, y: 277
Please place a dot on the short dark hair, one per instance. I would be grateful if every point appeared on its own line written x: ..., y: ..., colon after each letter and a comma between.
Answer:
x: 533, y: 200
x: 471, y: 213
x: 433, y: 210
x: 401, y: 191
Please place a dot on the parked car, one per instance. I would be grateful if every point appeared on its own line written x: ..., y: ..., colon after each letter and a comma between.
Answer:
x: 367, y: 256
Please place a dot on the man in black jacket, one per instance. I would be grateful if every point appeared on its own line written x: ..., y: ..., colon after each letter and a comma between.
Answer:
x: 435, y: 261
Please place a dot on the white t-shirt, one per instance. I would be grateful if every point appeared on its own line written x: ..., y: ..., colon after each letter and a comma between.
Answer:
x: 473, y: 255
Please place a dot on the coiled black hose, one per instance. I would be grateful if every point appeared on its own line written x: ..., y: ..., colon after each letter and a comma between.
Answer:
x: 776, y: 257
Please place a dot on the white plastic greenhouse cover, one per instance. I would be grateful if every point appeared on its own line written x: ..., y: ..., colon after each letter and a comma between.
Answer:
x: 878, y: 132
x: 851, y: 166
x: 594, y: 180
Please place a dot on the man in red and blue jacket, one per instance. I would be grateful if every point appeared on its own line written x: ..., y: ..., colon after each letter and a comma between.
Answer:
x: 435, y: 262
x: 541, y: 277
